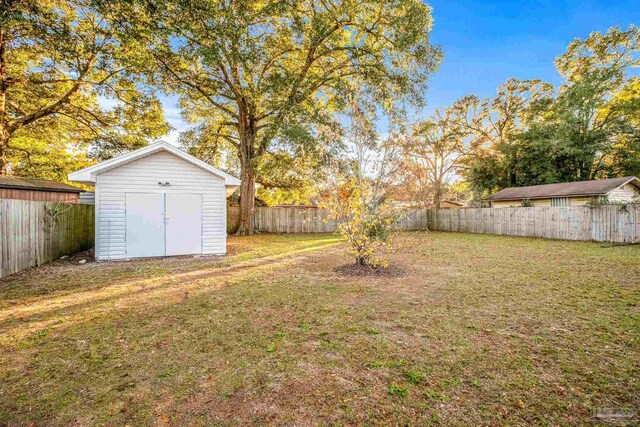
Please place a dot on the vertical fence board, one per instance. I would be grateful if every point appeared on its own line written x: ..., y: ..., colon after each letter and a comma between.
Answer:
x: 233, y: 219
x: 293, y: 220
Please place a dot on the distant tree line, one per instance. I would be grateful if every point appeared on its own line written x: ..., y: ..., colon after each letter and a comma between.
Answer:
x: 532, y: 133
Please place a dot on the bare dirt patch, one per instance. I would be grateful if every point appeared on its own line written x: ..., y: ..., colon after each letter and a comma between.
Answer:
x: 367, y: 270
x: 77, y: 258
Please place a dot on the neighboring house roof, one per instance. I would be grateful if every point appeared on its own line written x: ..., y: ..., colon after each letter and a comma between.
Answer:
x: 292, y: 205
x: 452, y: 202
x: 20, y: 183
x: 88, y: 175
x: 295, y: 203
x: 599, y: 187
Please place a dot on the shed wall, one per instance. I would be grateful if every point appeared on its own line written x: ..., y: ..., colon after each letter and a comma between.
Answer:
x: 581, y: 201
x: 142, y: 176
x: 88, y: 198
x: 506, y: 204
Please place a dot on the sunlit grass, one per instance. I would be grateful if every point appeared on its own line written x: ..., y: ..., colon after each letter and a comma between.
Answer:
x: 480, y: 330
x: 149, y: 284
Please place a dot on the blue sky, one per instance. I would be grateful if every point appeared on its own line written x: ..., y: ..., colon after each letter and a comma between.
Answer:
x: 487, y: 42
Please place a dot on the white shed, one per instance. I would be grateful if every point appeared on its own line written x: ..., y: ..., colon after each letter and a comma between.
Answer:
x: 158, y: 201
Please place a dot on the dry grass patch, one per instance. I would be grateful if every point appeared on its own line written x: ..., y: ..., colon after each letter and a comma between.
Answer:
x: 479, y: 330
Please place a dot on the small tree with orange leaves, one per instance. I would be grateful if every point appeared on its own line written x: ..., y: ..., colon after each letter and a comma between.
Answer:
x: 360, y: 187
x: 365, y: 224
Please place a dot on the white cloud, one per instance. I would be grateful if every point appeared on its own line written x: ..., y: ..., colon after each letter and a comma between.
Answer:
x: 173, y: 117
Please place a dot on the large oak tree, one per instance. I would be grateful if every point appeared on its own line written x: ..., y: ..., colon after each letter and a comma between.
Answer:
x: 68, y: 84
x: 256, y: 73
x: 492, y: 125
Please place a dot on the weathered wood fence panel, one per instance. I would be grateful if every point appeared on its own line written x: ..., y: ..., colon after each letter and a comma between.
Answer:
x: 414, y: 219
x: 293, y: 220
x: 233, y: 219
x: 313, y: 220
x: 31, y: 233
x: 612, y: 223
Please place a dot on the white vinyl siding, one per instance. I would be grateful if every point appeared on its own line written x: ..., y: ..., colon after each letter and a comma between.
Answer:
x: 142, y: 176
x: 87, y: 198
x: 624, y: 194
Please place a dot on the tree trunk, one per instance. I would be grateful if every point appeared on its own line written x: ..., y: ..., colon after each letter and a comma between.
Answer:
x: 4, y: 145
x: 248, y: 161
x: 437, y: 195
x: 476, y: 195
x: 247, y: 199
x: 513, y: 176
x: 4, y: 132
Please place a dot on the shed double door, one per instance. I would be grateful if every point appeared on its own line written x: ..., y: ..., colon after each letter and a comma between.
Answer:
x: 163, y: 224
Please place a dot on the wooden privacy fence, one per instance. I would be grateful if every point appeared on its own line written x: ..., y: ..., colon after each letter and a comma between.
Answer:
x: 284, y: 220
x: 294, y: 220
x: 312, y: 220
x: 33, y: 233
x: 611, y: 223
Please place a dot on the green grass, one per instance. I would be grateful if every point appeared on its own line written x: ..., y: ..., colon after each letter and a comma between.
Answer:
x: 398, y: 390
x: 480, y: 330
x: 415, y: 377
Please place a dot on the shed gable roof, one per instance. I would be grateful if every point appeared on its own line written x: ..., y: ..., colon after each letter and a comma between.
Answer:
x: 599, y: 187
x: 88, y: 175
x: 20, y: 183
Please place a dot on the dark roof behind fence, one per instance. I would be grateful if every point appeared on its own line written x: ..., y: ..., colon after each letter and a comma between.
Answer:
x: 19, y: 183
x: 564, y: 189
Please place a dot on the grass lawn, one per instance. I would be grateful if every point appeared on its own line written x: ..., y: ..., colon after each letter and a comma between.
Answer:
x: 480, y: 330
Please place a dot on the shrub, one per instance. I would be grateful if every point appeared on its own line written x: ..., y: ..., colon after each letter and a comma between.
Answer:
x: 365, y: 222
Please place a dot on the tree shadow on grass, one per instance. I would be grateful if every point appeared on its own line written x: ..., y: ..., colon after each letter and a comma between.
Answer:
x: 26, y: 318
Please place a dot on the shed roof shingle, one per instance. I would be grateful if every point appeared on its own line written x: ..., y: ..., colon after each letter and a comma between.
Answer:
x: 19, y: 183
x: 564, y: 189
